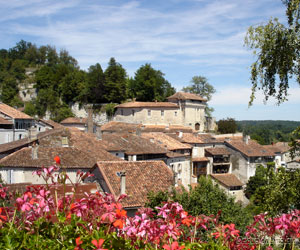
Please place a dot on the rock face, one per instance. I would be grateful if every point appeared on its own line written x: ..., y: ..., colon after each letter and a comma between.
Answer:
x: 99, y: 117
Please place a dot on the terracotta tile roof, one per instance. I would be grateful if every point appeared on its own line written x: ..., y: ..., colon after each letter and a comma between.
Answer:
x: 89, y: 143
x: 70, y: 158
x: 5, y: 122
x: 228, y: 180
x: 186, y: 96
x: 279, y: 147
x: 252, y: 149
x: 51, y: 123
x: 147, y: 105
x: 142, y: 177
x: 133, y: 144
x: 199, y: 159
x: 187, y: 138
x: 165, y: 141
x: 208, y: 138
x: 13, y: 113
x: 122, y: 127
x: 217, y: 151
x: 74, y: 120
x: 76, y: 138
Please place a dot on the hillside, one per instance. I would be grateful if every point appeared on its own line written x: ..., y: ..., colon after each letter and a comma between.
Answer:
x: 268, y: 131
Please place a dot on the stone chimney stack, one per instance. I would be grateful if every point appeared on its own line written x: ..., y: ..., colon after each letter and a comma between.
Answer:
x: 34, y: 152
x: 123, y: 182
x: 246, y: 139
x: 90, y: 123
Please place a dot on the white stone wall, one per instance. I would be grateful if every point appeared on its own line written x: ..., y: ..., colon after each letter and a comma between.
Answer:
x: 148, y: 116
x: 99, y: 118
x: 182, y: 167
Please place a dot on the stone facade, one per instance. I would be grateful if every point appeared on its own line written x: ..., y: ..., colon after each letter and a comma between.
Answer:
x: 181, y: 109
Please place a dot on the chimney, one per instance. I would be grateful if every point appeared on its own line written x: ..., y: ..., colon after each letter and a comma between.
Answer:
x: 32, y: 133
x: 246, y: 139
x: 90, y: 123
x: 34, y: 151
x: 180, y: 134
x: 123, y: 182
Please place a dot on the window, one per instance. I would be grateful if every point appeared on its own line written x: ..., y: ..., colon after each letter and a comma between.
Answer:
x: 175, y: 113
x: 162, y: 113
x: 149, y: 112
x: 20, y: 137
x: 122, y: 113
x: 132, y: 112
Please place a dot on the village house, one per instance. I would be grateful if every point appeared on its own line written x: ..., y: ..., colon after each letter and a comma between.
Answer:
x: 75, y: 122
x: 43, y: 125
x: 135, y: 179
x: 246, y: 154
x: 183, y: 109
x: 178, y: 159
x: 124, y: 127
x: 132, y: 147
x: 14, y: 124
x: 77, y: 150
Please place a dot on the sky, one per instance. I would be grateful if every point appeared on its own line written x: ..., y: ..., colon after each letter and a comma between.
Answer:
x: 181, y: 38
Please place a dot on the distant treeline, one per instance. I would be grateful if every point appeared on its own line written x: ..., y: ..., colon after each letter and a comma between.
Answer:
x: 60, y: 82
x: 268, y: 131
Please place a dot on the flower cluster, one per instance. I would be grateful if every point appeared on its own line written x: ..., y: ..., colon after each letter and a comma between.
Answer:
x: 99, y: 221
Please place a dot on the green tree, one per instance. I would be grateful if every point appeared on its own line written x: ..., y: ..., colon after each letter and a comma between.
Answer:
x: 227, y: 126
x: 115, y: 82
x: 149, y: 85
x: 206, y: 198
x: 276, y: 47
x: 30, y: 108
x: 94, y: 89
x: 200, y: 86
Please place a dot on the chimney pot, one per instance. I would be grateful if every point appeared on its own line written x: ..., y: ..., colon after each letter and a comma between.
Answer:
x: 123, y: 182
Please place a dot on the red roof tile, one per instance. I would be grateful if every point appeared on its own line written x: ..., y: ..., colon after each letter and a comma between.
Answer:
x: 228, y: 180
x: 12, y: 112
x: 186, y: 96
x: 252, y: 149
x: 217, y: 151
x: 142, y: 177
x: 147, y: 105
x: 74, y: 120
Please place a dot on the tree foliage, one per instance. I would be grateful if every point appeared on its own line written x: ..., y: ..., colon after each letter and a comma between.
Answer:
x: 227, y: 126
x: 59, y: 81
x: 276, y: 47
x: 206, y: 198
x: 200, y: 86
x: 149, y: 85
x: 115, y: 82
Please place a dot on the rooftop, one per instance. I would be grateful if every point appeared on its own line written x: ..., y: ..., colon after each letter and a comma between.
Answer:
x: 228, y: 180
x: 13, y: 113
x: 147, y: 105
x: 70, y: 158
x: 165, y: 141
x: 142, y: 177
x: 133, y: 144
x: 186, y: 96
x: 74, y: 120
x: 250, y: 149
x: 217, y: 151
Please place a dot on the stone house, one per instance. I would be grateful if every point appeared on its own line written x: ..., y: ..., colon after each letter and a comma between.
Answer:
x: 135, y: 179
x: 133, y: 147
x: 77, y: 150
x: 184, y: 109
x: 179, y: 157
x: 246, y: 154
x: 14, y: 124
